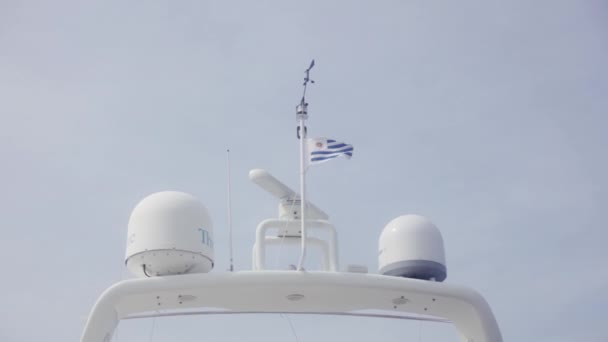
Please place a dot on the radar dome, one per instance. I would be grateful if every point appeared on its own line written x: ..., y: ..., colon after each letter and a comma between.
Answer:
x: 169, y: 233
x: 411, y: 246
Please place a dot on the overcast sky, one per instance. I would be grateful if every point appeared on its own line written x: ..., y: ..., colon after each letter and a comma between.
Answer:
x: 488, y: 117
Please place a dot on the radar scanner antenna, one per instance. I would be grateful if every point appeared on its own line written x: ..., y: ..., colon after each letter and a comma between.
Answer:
x: 302, y: 116
x: 287, y: 197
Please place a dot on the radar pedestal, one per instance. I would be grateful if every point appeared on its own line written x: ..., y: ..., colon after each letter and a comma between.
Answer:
x: 288, y: 226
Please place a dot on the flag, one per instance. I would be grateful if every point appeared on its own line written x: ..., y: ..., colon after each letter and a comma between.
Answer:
x: 320, y: 150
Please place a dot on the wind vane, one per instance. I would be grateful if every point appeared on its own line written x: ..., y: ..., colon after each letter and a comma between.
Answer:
x: 307, y: 79
x: 302, y: 108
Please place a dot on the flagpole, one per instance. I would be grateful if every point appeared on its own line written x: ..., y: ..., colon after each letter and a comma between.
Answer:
x: 302, y: 130
x: 302, y: 116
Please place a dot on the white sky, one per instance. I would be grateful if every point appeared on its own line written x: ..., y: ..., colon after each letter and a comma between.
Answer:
x: 489, y: 117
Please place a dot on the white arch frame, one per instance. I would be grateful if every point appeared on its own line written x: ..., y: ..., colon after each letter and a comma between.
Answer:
x: 326, y: 264
x: 329, y: 249
x: 292, y: 291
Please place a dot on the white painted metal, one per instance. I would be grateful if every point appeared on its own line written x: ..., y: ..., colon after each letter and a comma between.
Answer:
x: 169, y: 232
x: 326, y: 263
x: 302, y: 119
x: 410, y: 239
x: 266, y: 225
x: 344, y: 314
x: 269, y: 183
x: 290, y: 291
x: 288, y: 198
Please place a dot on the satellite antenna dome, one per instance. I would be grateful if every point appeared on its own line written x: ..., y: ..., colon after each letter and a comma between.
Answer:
x: 411, y: 246
x: 169, y: 233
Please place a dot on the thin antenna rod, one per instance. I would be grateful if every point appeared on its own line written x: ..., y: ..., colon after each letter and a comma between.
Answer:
x: 229, y: 209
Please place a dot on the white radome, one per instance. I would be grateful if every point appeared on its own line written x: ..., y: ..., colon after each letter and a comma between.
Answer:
x: 411, y: 246
x: 169, y: 233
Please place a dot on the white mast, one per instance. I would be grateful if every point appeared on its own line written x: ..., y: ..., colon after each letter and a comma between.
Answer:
x: 302, y: 116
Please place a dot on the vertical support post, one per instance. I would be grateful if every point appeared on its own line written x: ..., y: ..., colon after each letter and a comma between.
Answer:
x: 302, y: 115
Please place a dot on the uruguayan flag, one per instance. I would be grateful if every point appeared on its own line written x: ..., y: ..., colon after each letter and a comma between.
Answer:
x: 322, y: 149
